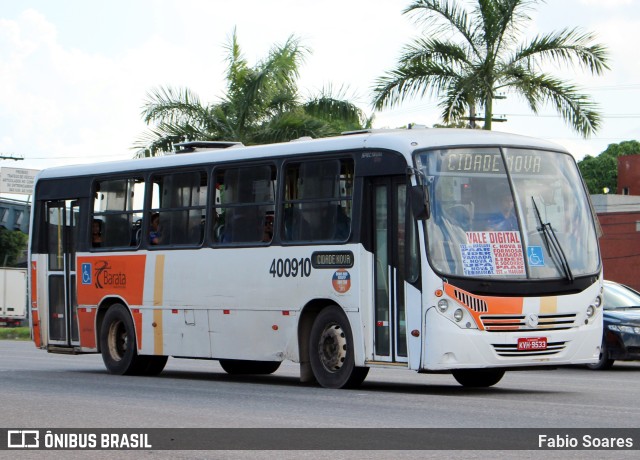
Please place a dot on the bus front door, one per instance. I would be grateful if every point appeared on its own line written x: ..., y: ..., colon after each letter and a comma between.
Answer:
x: 389, y: 215
x: 62, y: 233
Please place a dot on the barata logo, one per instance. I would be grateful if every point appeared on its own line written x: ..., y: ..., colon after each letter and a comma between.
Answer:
x: 106, y: 277
x: 23, y: 439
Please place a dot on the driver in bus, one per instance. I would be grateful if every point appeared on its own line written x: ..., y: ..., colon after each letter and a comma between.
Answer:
x: 505, y: 220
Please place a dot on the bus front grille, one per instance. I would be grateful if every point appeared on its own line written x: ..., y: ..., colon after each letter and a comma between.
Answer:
x: 502, y: 323
x: 474, y: 303
x: 511, y: 349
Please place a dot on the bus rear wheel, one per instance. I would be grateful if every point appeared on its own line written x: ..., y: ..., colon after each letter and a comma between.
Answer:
x: 332, y: 351
x: 153, y: 366
x: 478, y: 378
x: 118, y: 346
x: 241, y: 366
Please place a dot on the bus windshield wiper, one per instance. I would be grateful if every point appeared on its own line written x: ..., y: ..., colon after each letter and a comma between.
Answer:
x: 553, y: 245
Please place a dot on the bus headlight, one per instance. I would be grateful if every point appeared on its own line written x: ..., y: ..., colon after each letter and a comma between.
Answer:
x: 455, y: 313
x: 591, y: 310
x: 598, y: 302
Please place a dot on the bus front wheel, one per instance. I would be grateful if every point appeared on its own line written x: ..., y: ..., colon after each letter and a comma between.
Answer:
x: 332, y: 351
x: 478, y: 378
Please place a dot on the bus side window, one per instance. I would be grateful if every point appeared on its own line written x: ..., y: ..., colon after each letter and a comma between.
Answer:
x: 117, y: 206
x: 179, y: 201
x: 245, y: 197
x: 318, y: 201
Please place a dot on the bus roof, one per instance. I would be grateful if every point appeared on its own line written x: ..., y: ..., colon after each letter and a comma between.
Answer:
x: 404, y: 141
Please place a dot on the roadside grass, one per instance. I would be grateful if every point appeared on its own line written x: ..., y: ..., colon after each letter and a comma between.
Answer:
x: 15, y: 333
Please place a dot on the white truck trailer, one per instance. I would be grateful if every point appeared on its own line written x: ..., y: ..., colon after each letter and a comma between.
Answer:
x: 13, y: 296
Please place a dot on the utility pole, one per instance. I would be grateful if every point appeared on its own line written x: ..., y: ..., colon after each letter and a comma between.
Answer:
x: 473, y: 116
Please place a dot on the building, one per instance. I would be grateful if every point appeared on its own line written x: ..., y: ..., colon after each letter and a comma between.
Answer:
x: 619, y: 217
x: 629, y: 175
x: 14, y: 214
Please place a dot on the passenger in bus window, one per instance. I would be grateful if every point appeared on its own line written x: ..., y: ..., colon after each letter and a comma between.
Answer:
x: 96, y: 233
x: 267, y: 234
x: 154, y: 229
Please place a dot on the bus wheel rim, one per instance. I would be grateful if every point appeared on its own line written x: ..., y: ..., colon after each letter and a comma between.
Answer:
x: 118, y: 340
x: 332, y: 347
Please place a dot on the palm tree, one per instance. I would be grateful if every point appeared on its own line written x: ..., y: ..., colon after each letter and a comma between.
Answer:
x: 484, y: 56
x: 261, y: 105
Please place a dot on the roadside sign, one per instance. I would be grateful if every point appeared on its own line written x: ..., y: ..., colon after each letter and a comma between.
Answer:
x: 16, y: 180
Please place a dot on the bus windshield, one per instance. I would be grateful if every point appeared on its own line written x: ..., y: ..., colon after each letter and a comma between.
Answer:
x: 508, y: 213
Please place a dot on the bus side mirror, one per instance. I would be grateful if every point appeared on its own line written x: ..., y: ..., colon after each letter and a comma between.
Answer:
x: 419, y: 197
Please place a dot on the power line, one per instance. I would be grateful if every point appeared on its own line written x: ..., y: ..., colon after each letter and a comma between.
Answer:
x: 613, y: 115
x: 4, y: 157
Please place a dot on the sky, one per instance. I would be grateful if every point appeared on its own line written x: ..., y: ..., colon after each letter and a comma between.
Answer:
x: 74, y: 74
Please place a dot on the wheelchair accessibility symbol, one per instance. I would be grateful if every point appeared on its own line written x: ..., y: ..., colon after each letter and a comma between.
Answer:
x: 86, y: 273
x: 536, y: 256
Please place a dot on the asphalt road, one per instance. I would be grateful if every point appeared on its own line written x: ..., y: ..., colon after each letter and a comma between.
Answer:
x: 61, y: 391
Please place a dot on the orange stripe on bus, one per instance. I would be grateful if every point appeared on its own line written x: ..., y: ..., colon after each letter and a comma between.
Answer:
x: 35, y: 321
x: 137, y: 323
x: 548, y: 305
x: 34, y: 285
x: 86, y: 323
x: 105, y: 275
x: 158, y: 299
x: 495, y: 305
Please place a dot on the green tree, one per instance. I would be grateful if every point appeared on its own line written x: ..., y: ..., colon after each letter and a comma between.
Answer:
x: 467, y: 57
x: 12, y: 246
x: 261, y: 104
x: 601, y: 172
x: 623, y: 148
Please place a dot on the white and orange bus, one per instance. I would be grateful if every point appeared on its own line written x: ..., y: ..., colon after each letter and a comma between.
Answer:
x: 434, y: 250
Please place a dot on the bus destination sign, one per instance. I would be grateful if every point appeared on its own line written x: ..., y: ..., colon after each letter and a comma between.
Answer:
x: 332, y: 259
x: 491, y: 162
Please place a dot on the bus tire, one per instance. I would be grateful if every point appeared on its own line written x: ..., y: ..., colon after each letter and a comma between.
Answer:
x: 118, y: 343
x: 478, y: 378
x: 604, y: 362
x: 242, y: 366
x: 153, y: 365
x: 331, y: 350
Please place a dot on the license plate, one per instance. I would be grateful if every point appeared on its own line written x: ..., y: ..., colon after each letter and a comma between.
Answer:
x: 532, y: 343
